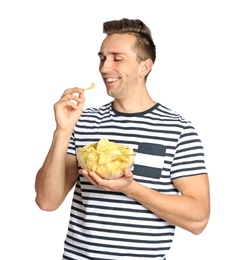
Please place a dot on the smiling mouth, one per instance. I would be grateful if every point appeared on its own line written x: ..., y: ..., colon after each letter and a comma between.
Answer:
x: 109, y: 80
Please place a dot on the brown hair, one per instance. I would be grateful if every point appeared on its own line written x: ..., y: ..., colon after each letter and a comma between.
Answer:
x: 145, y: 47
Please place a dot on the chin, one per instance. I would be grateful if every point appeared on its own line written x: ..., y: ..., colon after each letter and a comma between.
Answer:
x: 111, y: 91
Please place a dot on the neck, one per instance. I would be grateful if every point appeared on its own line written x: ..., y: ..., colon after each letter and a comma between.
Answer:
x: 140, y: 104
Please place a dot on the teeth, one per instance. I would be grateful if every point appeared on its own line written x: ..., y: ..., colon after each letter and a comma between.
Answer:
x: 111, y: 79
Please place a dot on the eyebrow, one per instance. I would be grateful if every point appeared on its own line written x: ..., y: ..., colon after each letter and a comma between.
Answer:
x: 110, y: 53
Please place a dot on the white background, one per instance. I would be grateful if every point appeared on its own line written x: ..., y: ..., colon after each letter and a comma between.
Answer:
x: 200, y: 72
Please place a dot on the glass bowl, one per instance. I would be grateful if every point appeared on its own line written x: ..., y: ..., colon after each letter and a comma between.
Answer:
x: 107, y: 166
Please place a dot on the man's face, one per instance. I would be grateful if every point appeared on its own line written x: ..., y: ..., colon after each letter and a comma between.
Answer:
x: 119, y: 66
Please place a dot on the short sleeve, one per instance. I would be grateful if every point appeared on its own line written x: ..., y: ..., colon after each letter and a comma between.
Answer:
x: 71, y: 146
x: 189, y: 158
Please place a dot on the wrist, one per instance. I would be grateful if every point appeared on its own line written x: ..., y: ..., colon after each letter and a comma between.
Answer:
x: 62, y: 135
x: 130, y: 189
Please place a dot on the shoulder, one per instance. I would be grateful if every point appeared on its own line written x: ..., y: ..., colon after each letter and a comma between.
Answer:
x: 171, y: 115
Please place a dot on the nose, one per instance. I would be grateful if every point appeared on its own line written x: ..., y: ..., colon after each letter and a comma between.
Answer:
x: 104, y: 66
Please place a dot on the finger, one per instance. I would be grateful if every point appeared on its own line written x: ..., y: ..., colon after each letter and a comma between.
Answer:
x: 88, y: 177
x: 128, y: 173
x: 96, y: 178
x: 66, y: 104
x: 98, y: 181
x: 73, y: 97
x: 72, y: 91
x: 73, y: 94
x: 72, y: 101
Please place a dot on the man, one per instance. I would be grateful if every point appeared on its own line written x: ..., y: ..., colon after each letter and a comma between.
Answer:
x: 133, y: 217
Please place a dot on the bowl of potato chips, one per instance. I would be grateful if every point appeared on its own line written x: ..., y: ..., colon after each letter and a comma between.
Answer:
x: 106, y: 158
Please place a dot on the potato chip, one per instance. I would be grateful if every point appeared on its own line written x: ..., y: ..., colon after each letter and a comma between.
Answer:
x: 106, y: 158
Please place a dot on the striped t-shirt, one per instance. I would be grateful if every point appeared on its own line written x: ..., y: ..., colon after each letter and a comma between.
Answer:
x: 109, y: 225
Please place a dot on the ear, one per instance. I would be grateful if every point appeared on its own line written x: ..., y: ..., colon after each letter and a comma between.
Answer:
x: 145, y: 67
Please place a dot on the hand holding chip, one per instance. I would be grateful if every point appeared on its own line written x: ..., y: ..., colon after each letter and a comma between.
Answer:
x: 68, y: 109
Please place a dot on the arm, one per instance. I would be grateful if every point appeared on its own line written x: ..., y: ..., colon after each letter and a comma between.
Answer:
x: 59, y: 171
x: 190, y: 210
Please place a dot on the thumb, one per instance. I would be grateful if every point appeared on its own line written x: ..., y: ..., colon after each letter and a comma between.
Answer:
x: 128, y: 173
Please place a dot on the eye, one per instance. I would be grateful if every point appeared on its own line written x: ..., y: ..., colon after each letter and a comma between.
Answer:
x: 102, y: 58
x: 118, y: 58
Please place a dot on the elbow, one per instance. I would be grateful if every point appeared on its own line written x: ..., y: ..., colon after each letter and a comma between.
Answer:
x: 46, y: 205
x: 198, y: 230
x: 201, y: 222
x: 199, y: 227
